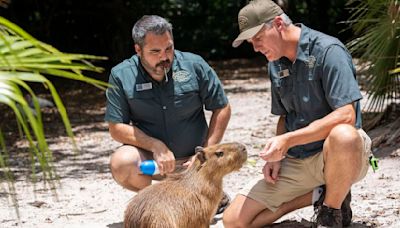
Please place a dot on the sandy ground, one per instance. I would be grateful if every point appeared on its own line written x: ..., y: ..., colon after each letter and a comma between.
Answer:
x: 88, y: 197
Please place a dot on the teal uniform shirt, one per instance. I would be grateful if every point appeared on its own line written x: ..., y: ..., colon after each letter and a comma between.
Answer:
x: 171, y: 111
x: 321, y: 79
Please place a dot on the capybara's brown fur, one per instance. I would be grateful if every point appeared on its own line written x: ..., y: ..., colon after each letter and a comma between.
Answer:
x: 188, y: 199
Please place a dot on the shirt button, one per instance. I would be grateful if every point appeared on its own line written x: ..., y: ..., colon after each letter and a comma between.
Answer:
x: 164, y: 107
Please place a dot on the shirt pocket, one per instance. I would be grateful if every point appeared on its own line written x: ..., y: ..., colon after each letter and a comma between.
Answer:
x: 310, y: 95
x: 143, y: 106
x: 187, y: 99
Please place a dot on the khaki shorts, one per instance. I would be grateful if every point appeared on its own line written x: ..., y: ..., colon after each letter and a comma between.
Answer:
x: 298, y: 177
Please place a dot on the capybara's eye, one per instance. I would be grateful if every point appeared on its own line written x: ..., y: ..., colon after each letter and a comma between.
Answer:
x: 219, y: 154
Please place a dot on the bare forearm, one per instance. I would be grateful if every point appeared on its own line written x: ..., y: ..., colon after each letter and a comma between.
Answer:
x: 218, y: 123
x: 320, y: 129
x: 127, y: 134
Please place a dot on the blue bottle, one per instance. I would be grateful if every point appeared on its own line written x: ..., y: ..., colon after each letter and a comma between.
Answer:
x: 149, y: 167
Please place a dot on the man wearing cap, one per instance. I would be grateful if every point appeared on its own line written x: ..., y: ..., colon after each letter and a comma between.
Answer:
x: 319, y: 138
x: 155, y: 106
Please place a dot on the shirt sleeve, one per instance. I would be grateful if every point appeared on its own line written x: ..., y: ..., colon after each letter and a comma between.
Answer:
x: 117, y: 108
x: 338, y: 78
x: 211, y: 89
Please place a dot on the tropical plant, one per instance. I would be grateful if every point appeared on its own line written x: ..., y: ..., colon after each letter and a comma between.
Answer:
x: 376, y: 26
x: 25, y: 60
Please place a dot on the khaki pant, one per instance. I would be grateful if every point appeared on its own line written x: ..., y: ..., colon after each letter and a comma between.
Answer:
x: 298, y: 177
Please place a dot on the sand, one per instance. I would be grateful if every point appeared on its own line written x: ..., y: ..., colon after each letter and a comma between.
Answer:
x: 87, y: 196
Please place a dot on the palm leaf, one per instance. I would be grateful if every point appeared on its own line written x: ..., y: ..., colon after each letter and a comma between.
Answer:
x: 377, y: 28
x: 24, y: 59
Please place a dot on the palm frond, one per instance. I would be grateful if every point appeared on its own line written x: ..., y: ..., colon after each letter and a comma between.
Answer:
x: 376, y: 25
x: 25, y: 59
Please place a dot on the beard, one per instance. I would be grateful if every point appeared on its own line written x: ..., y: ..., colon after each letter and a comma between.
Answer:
x: 158, y: 71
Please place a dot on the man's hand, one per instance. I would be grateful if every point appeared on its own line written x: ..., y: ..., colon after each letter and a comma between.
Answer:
x: 275, y: 149
x: 165, y: 158
x: 189, y: 162
x: 270, y: 171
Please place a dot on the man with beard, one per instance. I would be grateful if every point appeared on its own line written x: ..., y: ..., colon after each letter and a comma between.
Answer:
x: 155, y: 105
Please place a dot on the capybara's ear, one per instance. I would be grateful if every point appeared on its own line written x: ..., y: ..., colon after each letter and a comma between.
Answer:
x: 198, y: 149
x: 200, y: 154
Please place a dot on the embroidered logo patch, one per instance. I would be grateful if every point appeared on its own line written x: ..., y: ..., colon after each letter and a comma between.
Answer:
x: 181, y: 76
x: 311, y: 61
x: 243, y: 22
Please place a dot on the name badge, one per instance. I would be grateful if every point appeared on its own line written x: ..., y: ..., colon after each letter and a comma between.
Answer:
x: 144, y: 86
x: 283, y: 73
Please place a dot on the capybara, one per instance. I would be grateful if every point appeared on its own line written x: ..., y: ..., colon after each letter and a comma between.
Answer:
x: 187, y: 199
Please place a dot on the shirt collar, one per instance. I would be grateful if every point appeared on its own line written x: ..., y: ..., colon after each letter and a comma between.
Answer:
x: 303, y: 46
x: 174, y: 63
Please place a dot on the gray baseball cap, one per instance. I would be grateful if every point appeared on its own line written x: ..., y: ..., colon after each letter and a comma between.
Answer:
x: 252, y: 17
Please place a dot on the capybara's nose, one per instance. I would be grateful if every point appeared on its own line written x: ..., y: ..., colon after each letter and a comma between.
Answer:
x: 242, y: 148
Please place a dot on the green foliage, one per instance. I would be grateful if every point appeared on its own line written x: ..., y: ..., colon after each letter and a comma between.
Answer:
x: 205, y: 27
x: 25, y: 60
x: 324, y: 16
x: 377, y: 28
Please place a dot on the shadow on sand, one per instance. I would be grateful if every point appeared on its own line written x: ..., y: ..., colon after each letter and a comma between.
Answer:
x: 116, y: 225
